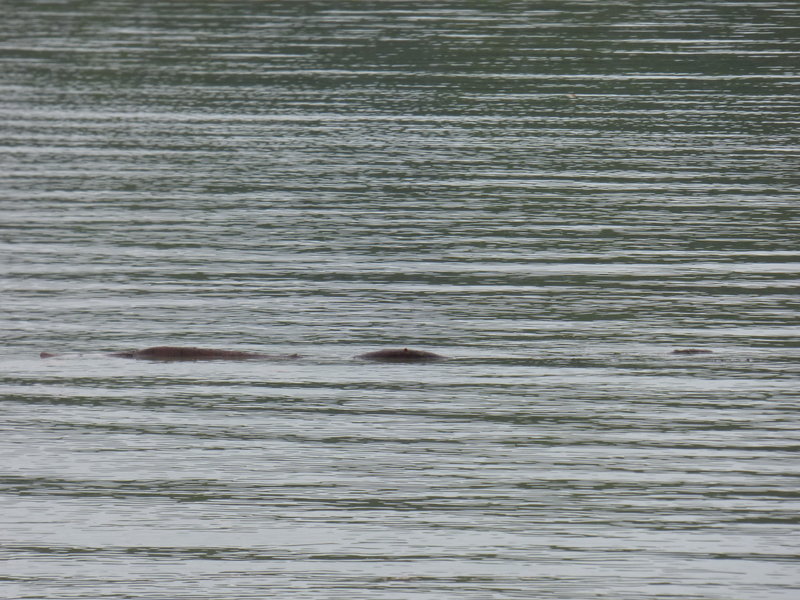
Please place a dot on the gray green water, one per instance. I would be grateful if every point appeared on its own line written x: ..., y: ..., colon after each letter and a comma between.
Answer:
x: 554, y: 194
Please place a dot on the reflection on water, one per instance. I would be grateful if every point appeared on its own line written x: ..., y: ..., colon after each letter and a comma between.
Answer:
x: 553, y: 195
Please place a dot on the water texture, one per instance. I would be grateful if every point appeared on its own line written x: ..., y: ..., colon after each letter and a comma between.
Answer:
x: 555, y: 195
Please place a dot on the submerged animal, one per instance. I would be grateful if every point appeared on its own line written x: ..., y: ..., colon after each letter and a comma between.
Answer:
x: 400, y: 355
x: 174, y: 353
x: 191, y: 353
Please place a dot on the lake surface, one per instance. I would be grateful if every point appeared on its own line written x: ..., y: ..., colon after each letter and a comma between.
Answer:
x: 555, y: 195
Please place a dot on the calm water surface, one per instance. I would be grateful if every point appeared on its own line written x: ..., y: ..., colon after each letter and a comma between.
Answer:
x: 553, y: 194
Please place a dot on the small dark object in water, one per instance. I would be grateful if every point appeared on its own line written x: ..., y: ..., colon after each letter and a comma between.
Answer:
x: 691, y: 351
x: 401, y: 355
